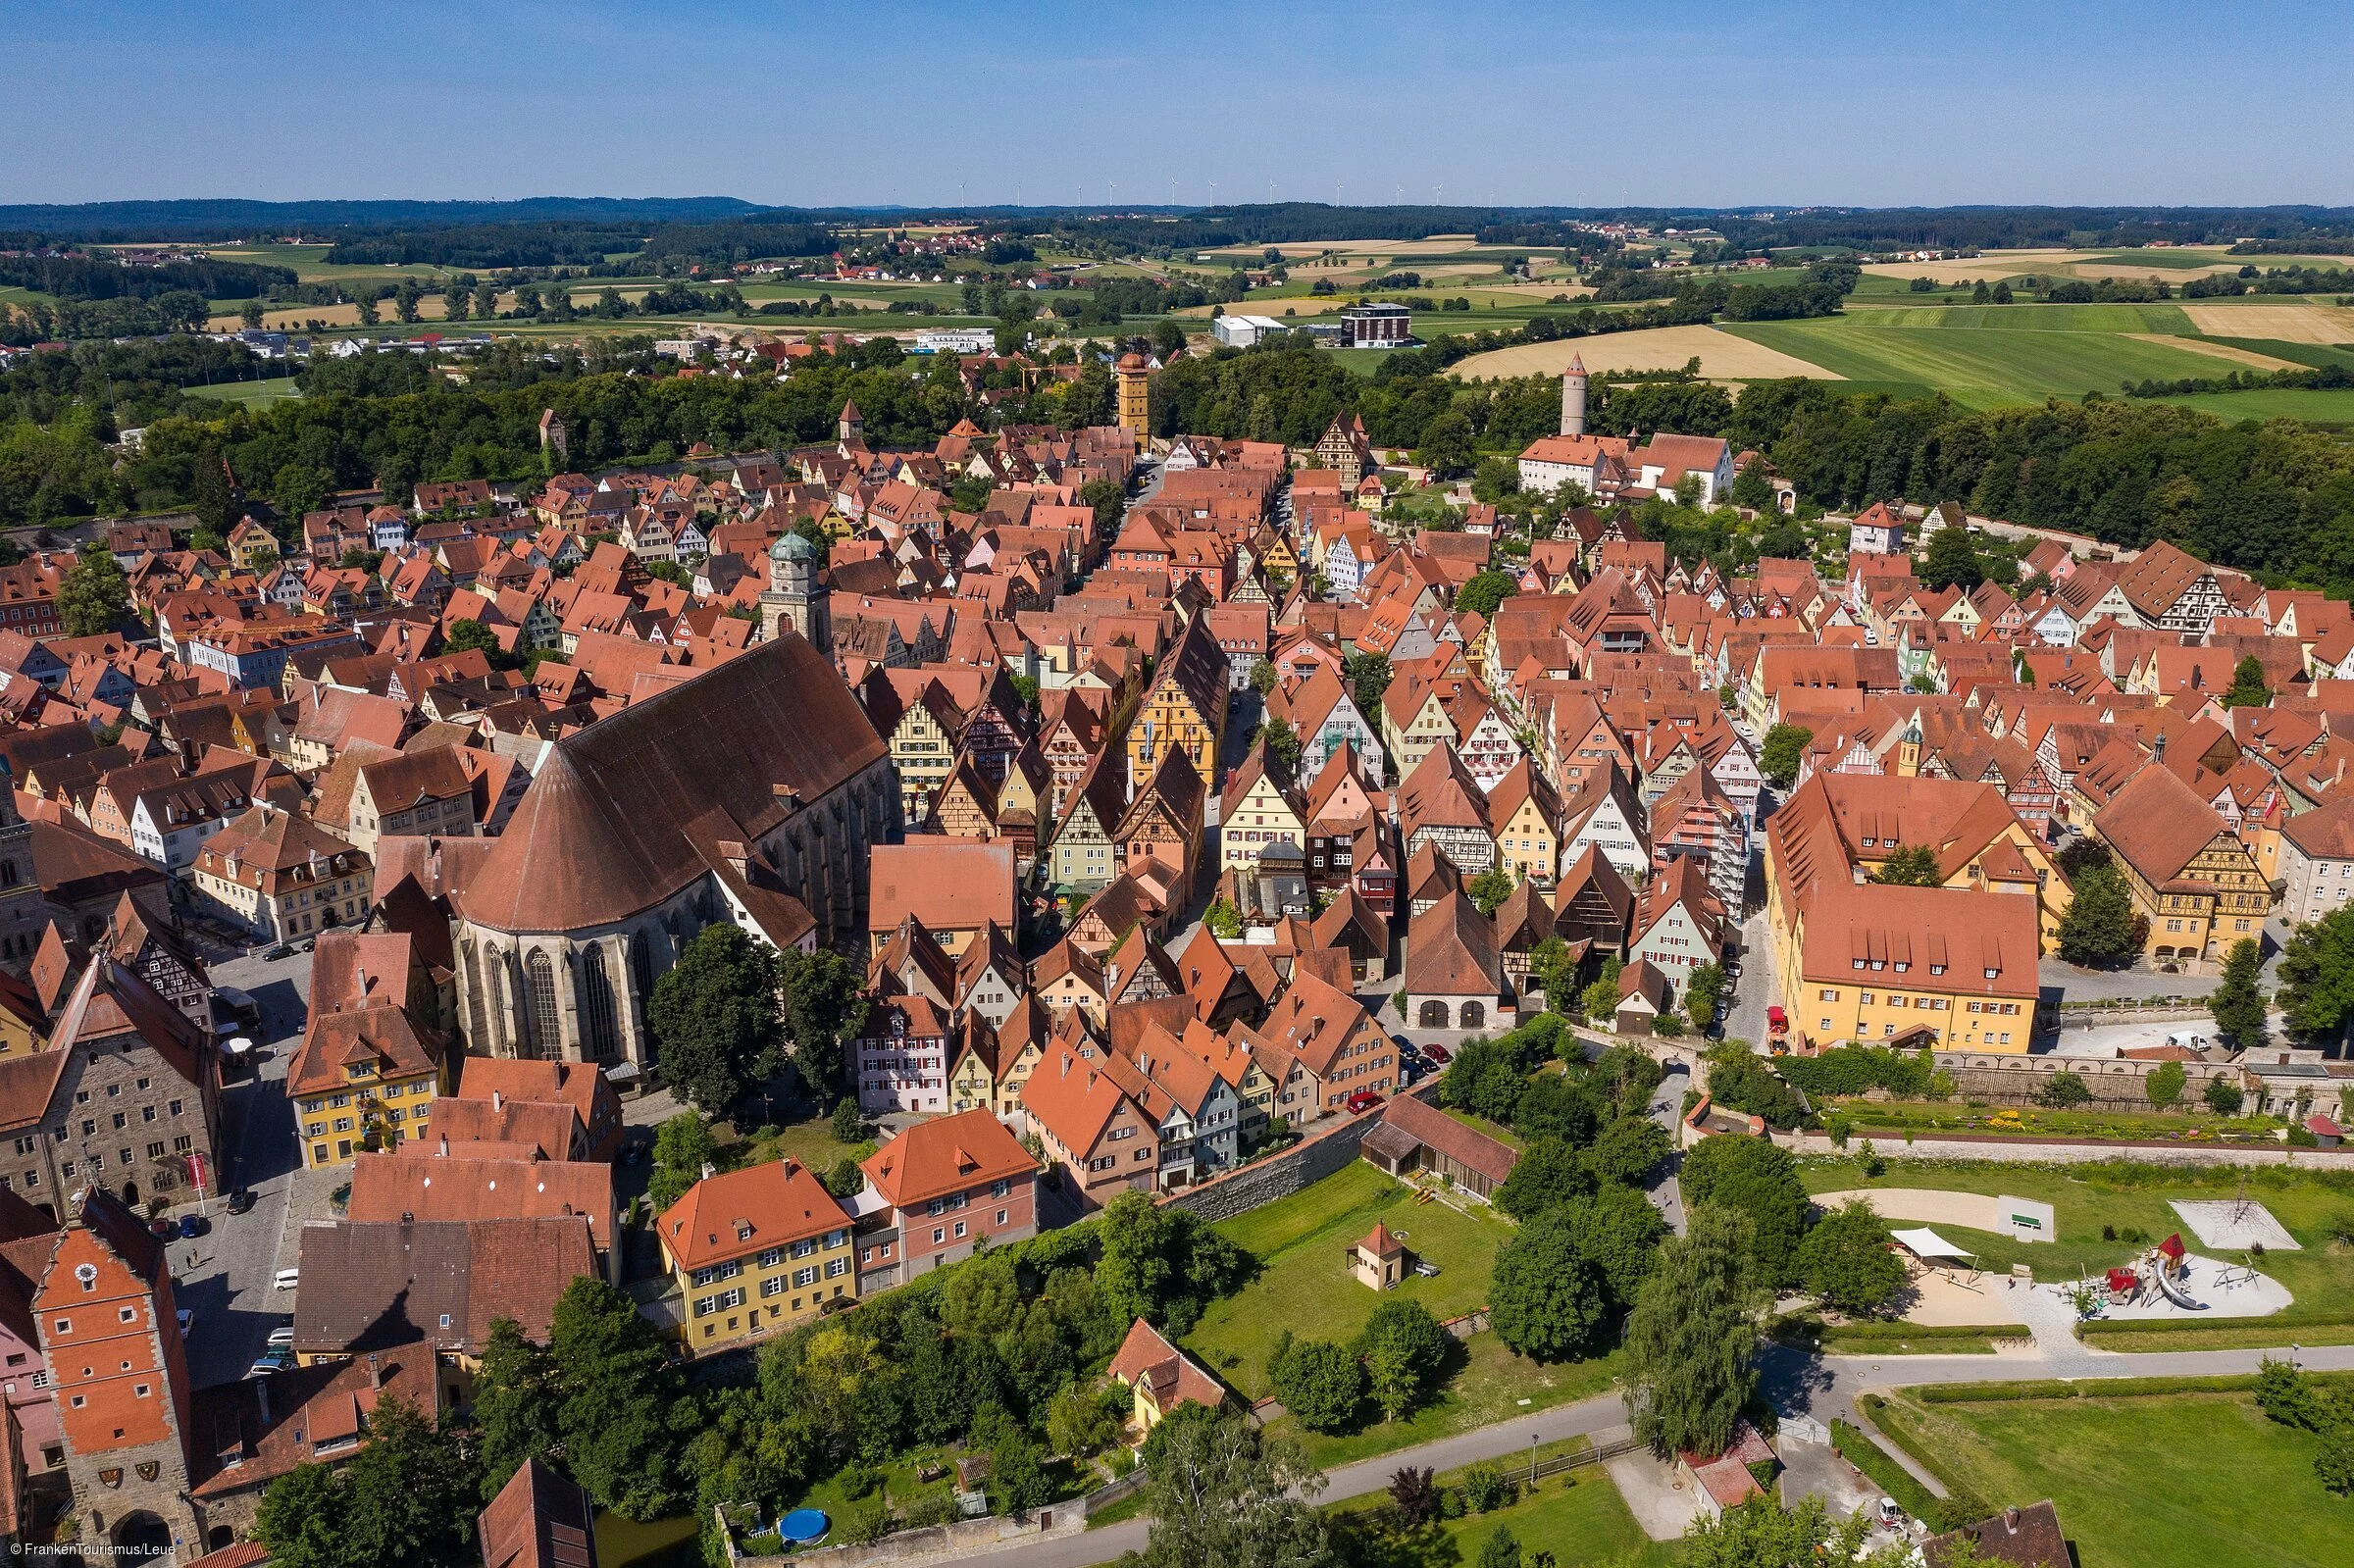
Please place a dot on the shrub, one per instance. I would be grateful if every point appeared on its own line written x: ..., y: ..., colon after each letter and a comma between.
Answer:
x: 1487, y: 1488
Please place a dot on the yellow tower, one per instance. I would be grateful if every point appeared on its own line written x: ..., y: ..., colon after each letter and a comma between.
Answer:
x: 1134, y: 394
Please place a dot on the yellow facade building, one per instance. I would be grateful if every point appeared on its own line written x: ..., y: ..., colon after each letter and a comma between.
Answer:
x: 755, y: 1251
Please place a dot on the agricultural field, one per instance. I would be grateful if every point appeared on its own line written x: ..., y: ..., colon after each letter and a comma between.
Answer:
x: 2139, y: 1479
x: 1722, y: 356
x: 1986, y: 356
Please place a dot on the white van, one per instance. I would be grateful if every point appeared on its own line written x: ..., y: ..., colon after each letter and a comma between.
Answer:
x: 287, y: 1278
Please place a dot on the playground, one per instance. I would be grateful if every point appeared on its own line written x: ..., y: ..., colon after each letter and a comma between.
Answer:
x: 1949, y: 1282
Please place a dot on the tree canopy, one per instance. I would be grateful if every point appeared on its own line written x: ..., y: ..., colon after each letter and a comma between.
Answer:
x: 715, y: 1019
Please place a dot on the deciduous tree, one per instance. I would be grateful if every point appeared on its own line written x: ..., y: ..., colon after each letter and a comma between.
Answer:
x: 1785, y: 746
x: 1846, y: 1262
x: 1692, y: 1334
x: 715, y: 1019
x: 1318, y: 1382
x: 1758, y: 1181
x: 1909, y: 866
x: 95, y: 597
x: 1545, y: 1299
x: 2099, y: 928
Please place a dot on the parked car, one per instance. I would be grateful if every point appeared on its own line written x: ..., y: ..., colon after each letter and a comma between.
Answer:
x: 240, y: 1200
x: 162, y: 1228
x: 282, y: 1338
x: 192, y: 1226
x: 188, y: 1321
x: 272, y: 1361
x: 1363, y: 1100
x: 1438, y: 1053
x: 1425, y: 1268
x: 286, y: 1279
x: 632, y: 1153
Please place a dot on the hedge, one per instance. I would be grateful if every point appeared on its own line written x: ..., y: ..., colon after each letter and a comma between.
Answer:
x: 1854, y: 1069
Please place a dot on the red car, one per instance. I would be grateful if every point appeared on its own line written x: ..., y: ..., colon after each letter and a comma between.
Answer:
x: 1363, y: 1100
x: 1437, y: 1053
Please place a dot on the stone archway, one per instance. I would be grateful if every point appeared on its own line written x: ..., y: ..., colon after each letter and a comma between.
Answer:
x: 1433, y: 1015
x: 141, y: 1535
x: 131, y: 1194
x: 1474, y: 1015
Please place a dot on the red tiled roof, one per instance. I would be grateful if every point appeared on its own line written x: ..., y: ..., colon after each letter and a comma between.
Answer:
x: 947, y: 1154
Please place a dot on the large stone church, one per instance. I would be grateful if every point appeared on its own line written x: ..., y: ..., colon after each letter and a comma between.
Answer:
x: 750, y: 793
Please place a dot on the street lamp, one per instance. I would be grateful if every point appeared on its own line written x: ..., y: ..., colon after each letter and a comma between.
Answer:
x: 1532, y: 1459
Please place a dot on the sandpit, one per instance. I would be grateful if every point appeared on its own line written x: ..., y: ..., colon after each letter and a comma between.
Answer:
x: 2229, y: 1226
x: 1658, y: 348
x: 2200, y: 345
x: 2302, y: 322
x: 1940, y: 1299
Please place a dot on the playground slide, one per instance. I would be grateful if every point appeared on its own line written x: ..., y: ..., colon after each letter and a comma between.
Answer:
x: 2174, y: 1293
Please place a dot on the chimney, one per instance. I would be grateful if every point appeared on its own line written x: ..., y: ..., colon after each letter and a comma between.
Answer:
x: 708, y: 1171
x: 261, y: 1390
x: 499, y: 1102
x: 446, y: 1145
x: 376, y: 1372
x: 2011, y: 1520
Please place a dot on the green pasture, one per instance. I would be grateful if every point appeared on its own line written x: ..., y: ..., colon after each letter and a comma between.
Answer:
x: 2181, y: 1478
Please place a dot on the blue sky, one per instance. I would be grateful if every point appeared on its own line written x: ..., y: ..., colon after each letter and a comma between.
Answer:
x: 1883, y: 104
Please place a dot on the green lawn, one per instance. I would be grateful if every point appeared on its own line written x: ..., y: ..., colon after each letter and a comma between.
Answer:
x: 2201, y: 1478
x: 1577, y: 1515
x: 2310, y: 1205
x: 1984, y: 357
x: 1487, y: 1385
x: 1304, y: 1283
x: 252, y: 393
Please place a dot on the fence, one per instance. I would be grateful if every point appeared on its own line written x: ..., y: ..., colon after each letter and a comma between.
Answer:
x: 1593, y: 1455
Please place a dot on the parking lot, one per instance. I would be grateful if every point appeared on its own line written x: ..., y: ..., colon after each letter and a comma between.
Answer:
x: 224, y: 1275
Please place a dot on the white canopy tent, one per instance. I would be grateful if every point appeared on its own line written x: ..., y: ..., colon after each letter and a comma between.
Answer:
x: 1930, y: 1248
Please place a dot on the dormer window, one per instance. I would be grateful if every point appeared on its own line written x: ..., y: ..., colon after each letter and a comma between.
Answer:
x: 1936, y: 969
x: 1859, y: 963
x: 1990, y: 973
x: 1879, y: 963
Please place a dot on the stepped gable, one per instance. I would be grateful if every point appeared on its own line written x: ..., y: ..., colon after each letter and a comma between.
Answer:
x: 600, y: 833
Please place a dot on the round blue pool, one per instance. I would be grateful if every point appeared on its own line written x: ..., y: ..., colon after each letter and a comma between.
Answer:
x: 803, y: 1526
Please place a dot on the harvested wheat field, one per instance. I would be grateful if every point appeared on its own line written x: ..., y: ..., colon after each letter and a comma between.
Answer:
x: 2237, y: 356
x: 2283, y: 323
x: 1992, y: 264
x: 1658, y: 348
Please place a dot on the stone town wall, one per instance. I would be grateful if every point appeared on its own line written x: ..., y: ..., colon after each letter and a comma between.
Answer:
x: 2002, y: 1079
x: 2077, y: 1151
x: 1305, y: 1163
